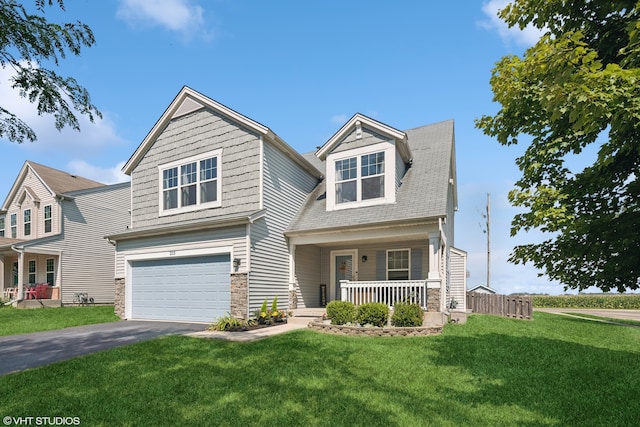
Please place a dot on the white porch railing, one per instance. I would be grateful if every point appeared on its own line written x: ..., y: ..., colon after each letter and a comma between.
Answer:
x: 387, y: 292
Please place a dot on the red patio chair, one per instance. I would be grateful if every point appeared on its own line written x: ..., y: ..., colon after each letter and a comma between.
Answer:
x: 41, y: 291
x: 30, y: 292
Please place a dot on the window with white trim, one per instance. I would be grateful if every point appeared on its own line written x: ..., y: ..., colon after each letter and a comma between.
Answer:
x: 2, y: 227
x: 47, y: 219
x: 360, y: 178
x: 14, y: 225
x: 32, y: 271
x: 398, y: 264
x: 51, y: 270
x: 191, y: 184
x: 27, y: 222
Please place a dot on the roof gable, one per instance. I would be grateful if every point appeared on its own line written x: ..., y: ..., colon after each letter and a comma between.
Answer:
x: 353, y: 129
x: 188, y: 101
x: 55, y: 181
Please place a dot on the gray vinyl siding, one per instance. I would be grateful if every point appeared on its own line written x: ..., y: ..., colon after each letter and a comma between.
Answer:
x: 234, y: 237
x: 285, y: 188
x: 308, y: 275
x: 368, y: 138
x: 401, y: 168
x: 189, y: 135
x: 458, y: 278
x: 86, y: 256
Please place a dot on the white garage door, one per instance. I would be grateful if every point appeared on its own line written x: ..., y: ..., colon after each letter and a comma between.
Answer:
x: 195, y: 289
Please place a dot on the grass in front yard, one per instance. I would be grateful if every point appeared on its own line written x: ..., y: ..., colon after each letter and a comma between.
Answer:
x: 21, y: 321
x: 553, y: 371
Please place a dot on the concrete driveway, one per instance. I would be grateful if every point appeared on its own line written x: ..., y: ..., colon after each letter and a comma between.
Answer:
x: 19, y: 352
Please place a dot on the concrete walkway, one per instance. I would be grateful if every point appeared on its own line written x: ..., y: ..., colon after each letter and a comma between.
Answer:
x: 610, y: 313
x: 293, y: 323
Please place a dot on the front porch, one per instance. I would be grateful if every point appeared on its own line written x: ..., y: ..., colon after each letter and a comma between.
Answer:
x: 401, y: 263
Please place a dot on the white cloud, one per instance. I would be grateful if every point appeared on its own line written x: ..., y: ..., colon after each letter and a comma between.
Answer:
x: 112, y: 175
x: 92, y: 136
x: 180, y: 16
x: 339, y: 119
x: 527, y: 37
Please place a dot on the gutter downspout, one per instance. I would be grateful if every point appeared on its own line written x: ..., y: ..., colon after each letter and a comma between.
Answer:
x: 20, y: 253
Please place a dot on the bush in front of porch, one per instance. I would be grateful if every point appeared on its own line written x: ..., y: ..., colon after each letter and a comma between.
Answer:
x: 341, y: 312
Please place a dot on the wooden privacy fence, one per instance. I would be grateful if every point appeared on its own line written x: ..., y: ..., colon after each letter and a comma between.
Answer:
x: 519, y: 307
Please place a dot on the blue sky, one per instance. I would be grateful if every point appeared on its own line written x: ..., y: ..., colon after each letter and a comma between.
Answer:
x: 301, y: 68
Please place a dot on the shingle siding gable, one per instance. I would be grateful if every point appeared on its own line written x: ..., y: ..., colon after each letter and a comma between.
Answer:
x: 196, y: 133
x: 367, y: 138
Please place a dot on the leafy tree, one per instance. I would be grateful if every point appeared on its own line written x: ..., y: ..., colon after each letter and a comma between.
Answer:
x: 579, y: 85
x: 26, y: 42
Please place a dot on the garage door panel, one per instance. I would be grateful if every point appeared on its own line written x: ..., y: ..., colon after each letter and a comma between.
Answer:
x: 185, y: 289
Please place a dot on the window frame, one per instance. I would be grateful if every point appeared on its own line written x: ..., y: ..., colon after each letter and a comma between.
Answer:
x: 26, y: 222
x: 14, y: 225
x: 407, y: 269
x: 48, y: 220
x: 388, y: 174
x: 33, y: 273
x: 184, y: 165
x: 51, y: 271
x: 2, y: 224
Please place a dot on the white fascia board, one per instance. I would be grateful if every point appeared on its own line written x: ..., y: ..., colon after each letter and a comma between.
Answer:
x: 395, y: 134
x: 417, y: 231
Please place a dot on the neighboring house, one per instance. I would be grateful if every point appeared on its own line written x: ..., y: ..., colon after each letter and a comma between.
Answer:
x: 482, y: 289
x: 225, y: 214
x: 52, y: 225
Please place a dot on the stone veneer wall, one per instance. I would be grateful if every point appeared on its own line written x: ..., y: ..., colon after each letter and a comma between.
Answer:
x: 119, y: 298
x: 239, y: 295
x: 433, y: 299
x: 375, y: 332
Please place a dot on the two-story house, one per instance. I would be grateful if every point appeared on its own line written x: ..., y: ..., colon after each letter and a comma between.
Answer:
x: 52, y: 225
x: 225, y: 214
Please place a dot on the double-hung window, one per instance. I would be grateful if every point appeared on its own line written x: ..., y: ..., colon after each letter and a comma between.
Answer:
x: 14, y: 225
x: 27, y: 222
x: 2, y: 227
x: 360, y: 178
x: 47, y: 219
x: 398, y: 264
x: 191, y: 184
x: 32, y: 271
x: 51, y: 270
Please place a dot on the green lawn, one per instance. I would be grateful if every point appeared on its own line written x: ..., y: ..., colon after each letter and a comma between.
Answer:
x: 553, y: 371
x: 21, y: 321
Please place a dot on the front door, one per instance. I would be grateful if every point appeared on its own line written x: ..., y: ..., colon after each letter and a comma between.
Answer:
x: 344, y: 266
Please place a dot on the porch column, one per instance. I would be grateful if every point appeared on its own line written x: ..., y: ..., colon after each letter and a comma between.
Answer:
x: 20, y: 274
x: 434, y: 281
x: 2, y: 273
x: 434, y: 258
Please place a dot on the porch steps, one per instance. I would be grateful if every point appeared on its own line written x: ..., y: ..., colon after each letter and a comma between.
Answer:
x: 310, y: 313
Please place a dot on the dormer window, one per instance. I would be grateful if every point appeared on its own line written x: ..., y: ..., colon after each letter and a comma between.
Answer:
x: 360, y: 178
x: 191, y: 184
x: 363, y: 176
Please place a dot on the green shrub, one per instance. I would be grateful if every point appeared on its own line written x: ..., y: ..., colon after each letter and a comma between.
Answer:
x: 629, y: 302
x: 341, y: 312
x: 227, y: 323
x: 407, y: 315
x: 373, y: 313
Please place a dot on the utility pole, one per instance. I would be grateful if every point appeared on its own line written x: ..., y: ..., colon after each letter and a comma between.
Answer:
x: 488, y: 241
